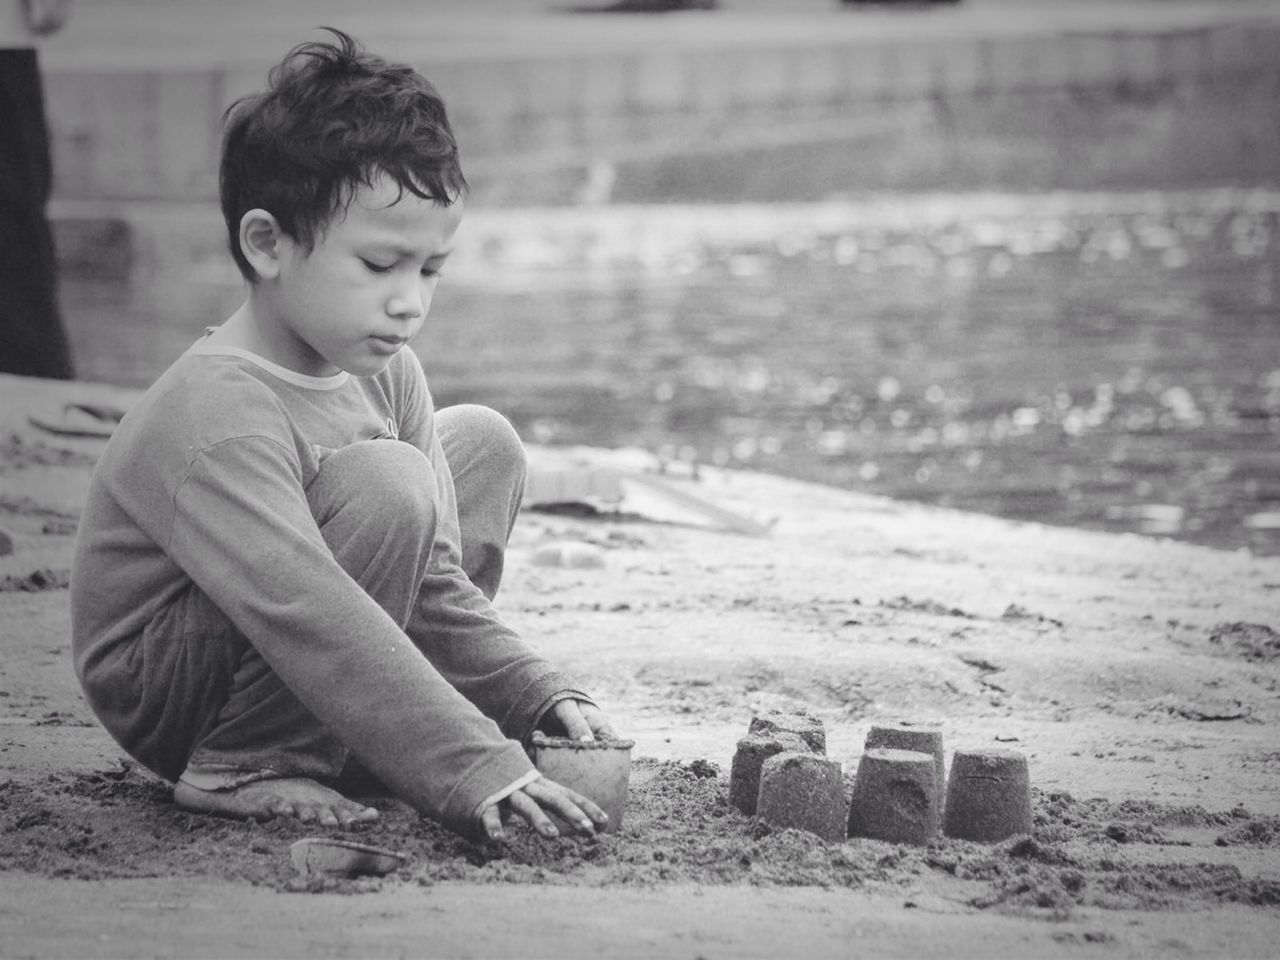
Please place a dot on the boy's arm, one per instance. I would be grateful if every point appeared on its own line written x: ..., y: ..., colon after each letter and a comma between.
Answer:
x: 453, y: 622
x: 457, y: 628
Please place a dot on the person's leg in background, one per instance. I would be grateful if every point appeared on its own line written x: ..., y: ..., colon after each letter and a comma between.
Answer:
x: 33, y: 341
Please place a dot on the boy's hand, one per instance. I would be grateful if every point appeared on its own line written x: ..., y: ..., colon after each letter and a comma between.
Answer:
x: 582, y: 721
x: 531, y: 802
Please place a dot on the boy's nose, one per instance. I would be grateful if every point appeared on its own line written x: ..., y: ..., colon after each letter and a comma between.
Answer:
x: 408, y: 304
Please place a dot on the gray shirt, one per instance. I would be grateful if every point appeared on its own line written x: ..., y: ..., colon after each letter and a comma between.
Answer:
x: 204, y: 482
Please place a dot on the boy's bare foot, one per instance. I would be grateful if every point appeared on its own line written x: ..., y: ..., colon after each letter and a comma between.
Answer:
x: 278, y: 797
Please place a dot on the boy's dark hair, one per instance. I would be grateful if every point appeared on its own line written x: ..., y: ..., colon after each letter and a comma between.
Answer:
x: 331, y: 120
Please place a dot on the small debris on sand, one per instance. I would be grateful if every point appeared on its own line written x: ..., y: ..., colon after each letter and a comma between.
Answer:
x: 36, y: 582
x: 570, y: 555
x: 330, y: 856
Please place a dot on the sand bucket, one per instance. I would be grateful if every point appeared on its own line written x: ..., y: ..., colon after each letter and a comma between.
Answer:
x: 599, y: 769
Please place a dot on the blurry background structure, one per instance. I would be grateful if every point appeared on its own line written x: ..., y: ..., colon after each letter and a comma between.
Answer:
x: 1017, y: 256
x: 1012, y: 94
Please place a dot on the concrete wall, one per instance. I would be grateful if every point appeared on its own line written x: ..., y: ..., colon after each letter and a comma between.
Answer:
x: 1040, y: 112
x: 136, y: 150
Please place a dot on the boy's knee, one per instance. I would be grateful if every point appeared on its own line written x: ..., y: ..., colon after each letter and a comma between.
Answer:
x: 387, y: 475
x: 485, y: 433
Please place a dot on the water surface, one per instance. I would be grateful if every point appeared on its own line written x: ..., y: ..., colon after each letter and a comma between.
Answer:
x: 1108, y: 365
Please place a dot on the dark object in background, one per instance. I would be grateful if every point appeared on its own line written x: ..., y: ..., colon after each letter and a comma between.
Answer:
x: 894, y: 3
x: 644, y: 6
x: 32, y: 339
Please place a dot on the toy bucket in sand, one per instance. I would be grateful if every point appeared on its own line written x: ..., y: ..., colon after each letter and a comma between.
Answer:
x: 598, y: 769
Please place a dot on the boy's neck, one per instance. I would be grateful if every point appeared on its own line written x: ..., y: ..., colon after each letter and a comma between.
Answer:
x: 250, y: 328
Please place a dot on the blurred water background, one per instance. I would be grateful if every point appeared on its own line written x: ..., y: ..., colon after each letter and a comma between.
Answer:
x: 1106, y: 361
x: 1004, y: 255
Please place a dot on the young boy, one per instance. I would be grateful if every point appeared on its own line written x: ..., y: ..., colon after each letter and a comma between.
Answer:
x: 285, y: 563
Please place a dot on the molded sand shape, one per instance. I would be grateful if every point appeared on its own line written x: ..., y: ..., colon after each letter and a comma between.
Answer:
x: 799, y: 722
x: 599, y: 769
x: 895, y: 797
x: 343, y: 858
x: 918, y: 737
x: 752, y: 752
x: 988, y: 795
x: 805, y: 792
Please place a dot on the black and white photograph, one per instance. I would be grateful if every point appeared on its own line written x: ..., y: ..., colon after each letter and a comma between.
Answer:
x: 615, y: 479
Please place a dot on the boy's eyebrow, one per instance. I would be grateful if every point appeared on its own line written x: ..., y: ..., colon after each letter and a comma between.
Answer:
x: 404, y: 253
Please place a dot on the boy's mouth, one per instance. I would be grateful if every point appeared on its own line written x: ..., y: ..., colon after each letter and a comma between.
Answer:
x: 387, y: 345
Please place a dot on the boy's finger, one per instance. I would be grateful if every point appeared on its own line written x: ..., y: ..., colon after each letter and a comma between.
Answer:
x: 565, y: 804
x: 491, y: 822
x: 575, y: 725
x: 529, y: 809
x: 598, y: 722
x: 590, y: 808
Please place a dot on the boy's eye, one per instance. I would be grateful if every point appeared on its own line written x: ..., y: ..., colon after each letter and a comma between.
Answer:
x: 376, y: 267
x: 430, y: 272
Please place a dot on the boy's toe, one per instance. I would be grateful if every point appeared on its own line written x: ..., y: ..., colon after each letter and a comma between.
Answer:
x: 356, y: 814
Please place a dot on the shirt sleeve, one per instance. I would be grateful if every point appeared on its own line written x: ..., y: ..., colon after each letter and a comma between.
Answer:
x: 243, y: 532
x: 455, y: 624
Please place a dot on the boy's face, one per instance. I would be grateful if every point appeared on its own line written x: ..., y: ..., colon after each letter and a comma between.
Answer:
x: 364, y: 290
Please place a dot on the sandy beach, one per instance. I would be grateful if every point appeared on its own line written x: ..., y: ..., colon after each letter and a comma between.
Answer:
x: 1136, y: 674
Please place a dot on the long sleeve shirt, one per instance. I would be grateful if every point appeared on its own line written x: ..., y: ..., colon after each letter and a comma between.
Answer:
x: 204, y: 483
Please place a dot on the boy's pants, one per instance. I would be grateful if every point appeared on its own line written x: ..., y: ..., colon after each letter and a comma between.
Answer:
x: 224, y: 711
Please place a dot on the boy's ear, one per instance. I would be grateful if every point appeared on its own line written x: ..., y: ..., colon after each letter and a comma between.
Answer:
x: 261, y: 241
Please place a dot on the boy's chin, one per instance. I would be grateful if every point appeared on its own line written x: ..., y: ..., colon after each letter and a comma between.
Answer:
x: 365, y: 366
